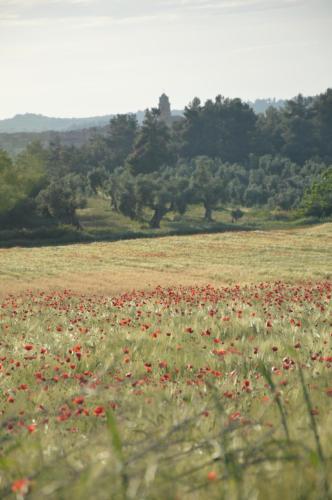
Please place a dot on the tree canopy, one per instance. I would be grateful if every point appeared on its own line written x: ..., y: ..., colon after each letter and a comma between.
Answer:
x: 220, y: 153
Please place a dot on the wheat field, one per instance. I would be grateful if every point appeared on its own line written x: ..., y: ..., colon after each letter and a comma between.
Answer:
x: 110, y: 268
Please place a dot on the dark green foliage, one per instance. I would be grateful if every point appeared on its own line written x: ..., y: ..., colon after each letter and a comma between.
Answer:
x: 298, y: 131
x: 152, y: 148
x: 279, y: 182
x: 5, y: 161
x: 122, y: 134
x: 209, y: 187
x: 155, y: 193
x: 8, y: 179
x: 318, y: 199
x: 97, y: 178
x: 322, y: 119
x: 218, y: 153
x: 223, y: 128
x: 163, y: 193
x: 64, y: 160
x: 61, y: 198
x: 21, y: 179
x: 160, y: 192
x: 124, y: 196
x: 269, y: 133
x: 301, y: 130
x: 182, y: 189
x: 110, y: 150
x: 236, y: 214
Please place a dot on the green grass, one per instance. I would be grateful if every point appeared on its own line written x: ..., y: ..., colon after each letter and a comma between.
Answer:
x: 98, y: 218
x: 101, y: 223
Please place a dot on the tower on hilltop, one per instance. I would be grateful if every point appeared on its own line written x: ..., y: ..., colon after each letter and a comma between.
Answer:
x: 165, y: 110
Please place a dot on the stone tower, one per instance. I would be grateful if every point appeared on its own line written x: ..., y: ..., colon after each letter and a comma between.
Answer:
x: 165, y: 110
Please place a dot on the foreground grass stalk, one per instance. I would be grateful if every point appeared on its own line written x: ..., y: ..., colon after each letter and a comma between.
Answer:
x: 266, y: 374
x: 314, y: 429
x: 232, y: 467
x: 118, y: 450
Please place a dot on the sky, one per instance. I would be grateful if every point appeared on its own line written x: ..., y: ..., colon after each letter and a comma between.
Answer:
x: 95, y: 57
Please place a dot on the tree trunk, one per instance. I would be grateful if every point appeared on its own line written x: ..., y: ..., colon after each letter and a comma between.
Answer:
x: 114, y: 205
x: 208, y: 213
x: 74, y: 221
x: 114, y: 201
x: 157, y: 217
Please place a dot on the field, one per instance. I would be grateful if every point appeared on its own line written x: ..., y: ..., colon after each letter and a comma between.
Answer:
x: 232, y: 257
x: 180, y: 368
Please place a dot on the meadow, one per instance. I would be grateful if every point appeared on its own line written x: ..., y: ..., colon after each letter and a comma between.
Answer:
x: 180, y: 367
x: 295, y: 254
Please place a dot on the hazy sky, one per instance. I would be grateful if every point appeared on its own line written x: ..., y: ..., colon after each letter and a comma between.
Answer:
x: 93, y: 57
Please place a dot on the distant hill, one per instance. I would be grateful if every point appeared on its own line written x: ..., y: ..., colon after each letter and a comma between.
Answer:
x: 30, y: 122
x: 17, y: 132
x: 15, y: 143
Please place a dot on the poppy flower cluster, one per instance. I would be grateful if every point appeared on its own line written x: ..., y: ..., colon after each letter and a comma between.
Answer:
x: 68, y: 361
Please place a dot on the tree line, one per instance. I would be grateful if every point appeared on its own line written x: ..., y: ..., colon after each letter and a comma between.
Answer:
x: 218, y: 153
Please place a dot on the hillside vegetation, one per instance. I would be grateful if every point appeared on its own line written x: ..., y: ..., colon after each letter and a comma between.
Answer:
x: 219, y: 155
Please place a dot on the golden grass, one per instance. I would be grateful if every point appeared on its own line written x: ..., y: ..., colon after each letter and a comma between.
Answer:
x: 108, y: 268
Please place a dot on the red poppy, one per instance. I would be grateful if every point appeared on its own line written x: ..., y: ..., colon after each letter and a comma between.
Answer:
x: 99, y: 410
x: 21, y: 486
x: 212, y: 475
x: 78, y: 400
